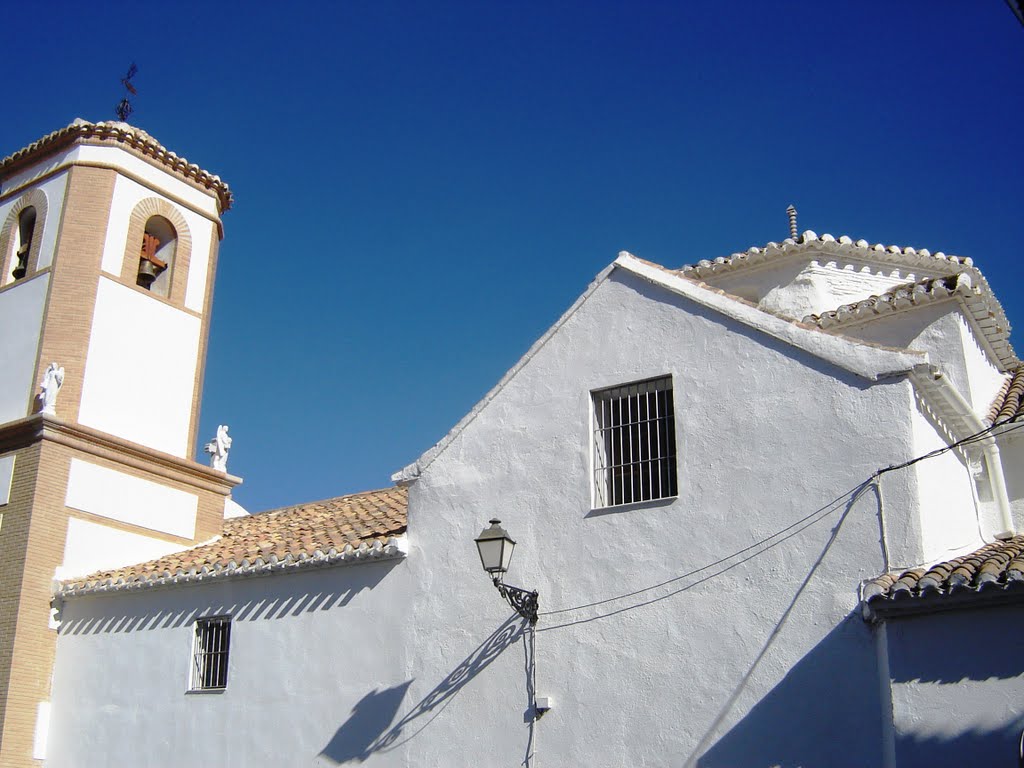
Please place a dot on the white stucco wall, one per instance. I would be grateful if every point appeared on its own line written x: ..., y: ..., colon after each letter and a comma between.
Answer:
x: 140, y: 370
x: 1011, y: 453
x: 932, y: 328
x: 128, y: 499
x: 957, y: 687
x: 306, y: 651
x: 21, y: 317
x: 950, y: 524
x: 983, y: 377
x: 91, y: 547
x: 941, y: 330
x: 812, y: 283
x: 127, y: 194
x: 725, y: 666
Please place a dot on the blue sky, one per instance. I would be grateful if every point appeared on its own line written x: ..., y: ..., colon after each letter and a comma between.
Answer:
x: 423, y: 188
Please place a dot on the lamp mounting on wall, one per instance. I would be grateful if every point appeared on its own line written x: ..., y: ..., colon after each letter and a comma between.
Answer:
x: 495, y: 547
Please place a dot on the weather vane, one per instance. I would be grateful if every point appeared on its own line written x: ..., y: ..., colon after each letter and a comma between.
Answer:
x: 124, y: 107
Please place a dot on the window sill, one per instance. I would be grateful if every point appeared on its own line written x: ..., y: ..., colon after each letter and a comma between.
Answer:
x: 649, y: 504
x: 202, y: 691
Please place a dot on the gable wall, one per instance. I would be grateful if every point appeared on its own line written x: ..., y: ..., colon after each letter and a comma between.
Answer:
x: 702, y: 666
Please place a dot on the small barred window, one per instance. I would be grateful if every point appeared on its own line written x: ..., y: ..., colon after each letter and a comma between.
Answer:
x: 210, y: 654
x: 634, y: 443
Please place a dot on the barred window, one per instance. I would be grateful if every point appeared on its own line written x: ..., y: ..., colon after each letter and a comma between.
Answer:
x: 634, y: 443
x: 210, y: 654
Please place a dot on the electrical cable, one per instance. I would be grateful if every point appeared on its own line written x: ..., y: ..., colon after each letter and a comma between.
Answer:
x: 969, y: 440
x: 824, y: 511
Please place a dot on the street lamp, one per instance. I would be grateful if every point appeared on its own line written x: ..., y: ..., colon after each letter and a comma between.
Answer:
x: 495, y: 547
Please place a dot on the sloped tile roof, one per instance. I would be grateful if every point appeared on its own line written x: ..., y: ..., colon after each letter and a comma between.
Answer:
x: 900, y: 297
x: 353, y: 527
x: 810, y: 241
x: 972, y: 288
x: 123, y: 133
x: 978, y: 302
x: 994, y: 571
x: 1009, y: 403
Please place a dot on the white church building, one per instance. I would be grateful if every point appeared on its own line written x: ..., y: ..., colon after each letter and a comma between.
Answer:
x: 768, y: 503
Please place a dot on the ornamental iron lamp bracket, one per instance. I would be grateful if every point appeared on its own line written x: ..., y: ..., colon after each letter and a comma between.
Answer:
x: 495, y: 547
x: 522, y: 600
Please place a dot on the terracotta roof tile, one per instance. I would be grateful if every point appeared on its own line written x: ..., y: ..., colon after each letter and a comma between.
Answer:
x: 996, y: 569
x: 320, y: 532
x: 959, y: 277
x: 920, y: 257
x: 123, y: 133
x: 899, y: 297
x: 1009, y: 403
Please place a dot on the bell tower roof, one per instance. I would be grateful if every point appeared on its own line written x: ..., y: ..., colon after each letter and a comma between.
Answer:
x: 127, y: 136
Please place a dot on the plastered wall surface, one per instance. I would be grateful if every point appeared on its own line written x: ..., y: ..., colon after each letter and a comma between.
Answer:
x: 128, y: 499
x: 958, y: 702
x: 983, y: 378
x: 812, y: 284
x: 310, y: 654
x: 726, y: 663
x: 1011, y: 448
x: 950, y: 524
x: 141, y: 367
x: 91, y: 547
x: 21, y: 308
x: 127, y: 194
x: 720, y: 660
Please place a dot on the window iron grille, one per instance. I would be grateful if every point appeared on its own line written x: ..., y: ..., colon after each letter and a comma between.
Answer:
x: 210, y: 654
x: 634, y: 443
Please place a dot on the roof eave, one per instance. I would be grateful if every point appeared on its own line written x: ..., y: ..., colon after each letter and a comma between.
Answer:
x: 81, y: 131
x: 868, y: 361
x: 396, y: 547
x: 882, y: 608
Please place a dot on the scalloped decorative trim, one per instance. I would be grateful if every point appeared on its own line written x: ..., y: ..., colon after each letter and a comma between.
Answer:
x: 810, y: 241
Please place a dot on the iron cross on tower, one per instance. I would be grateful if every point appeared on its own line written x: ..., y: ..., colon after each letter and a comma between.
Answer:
x: 124, y: 107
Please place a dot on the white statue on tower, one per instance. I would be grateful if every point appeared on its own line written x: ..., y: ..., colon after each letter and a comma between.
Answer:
x: 218, y: 449
x: 53, y: 380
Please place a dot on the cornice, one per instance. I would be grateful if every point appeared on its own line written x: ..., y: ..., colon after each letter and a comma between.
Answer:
x: 93, y: 442
x: 104, y: 133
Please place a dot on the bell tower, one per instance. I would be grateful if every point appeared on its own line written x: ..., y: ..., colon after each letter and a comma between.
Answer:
x: 108, y: 251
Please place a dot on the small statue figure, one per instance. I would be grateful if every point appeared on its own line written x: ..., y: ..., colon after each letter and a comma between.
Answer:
x: 53, y: 380
x: 218, y: 449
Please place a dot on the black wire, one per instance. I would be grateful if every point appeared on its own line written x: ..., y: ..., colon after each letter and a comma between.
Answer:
x: 970, y: 439
x: 824, y: 511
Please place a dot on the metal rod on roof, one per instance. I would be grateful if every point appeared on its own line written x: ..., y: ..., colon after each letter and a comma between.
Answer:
x: 791, y: 212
